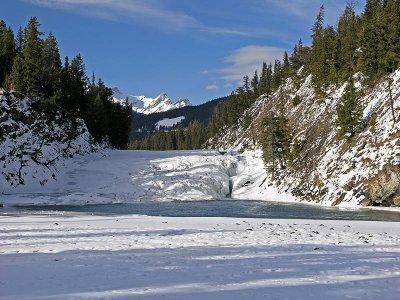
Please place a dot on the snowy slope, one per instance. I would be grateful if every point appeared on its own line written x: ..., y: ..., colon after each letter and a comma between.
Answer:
x: 34, y: 149
x: 329, y: 170
x: 145, y: 105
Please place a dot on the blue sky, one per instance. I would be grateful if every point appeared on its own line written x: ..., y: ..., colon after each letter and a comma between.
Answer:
x: 195, y: 49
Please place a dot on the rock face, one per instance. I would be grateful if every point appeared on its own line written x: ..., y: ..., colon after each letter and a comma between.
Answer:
x: 330, y: 170
x: 384, y: 188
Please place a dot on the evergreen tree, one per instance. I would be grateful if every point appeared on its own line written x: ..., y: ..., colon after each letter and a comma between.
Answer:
x: 17, y: 75
x: 32, y: 59
x: 246, y: 84
x: 78, y: 102
x: 19, y: 42
x: 349, y: 113
x: 390, y: 46
x: 330, y: 68
x: 265, y: 79
x: 318, y: 60
x: 301, y: 56
x: 276, y: 141
x: 254, y: 84
x: 7, y: 52
x: 347, y: 42
x: 50, y: 67
x: 277, y: 75
x: 371, y: 40
x: 286, y: 72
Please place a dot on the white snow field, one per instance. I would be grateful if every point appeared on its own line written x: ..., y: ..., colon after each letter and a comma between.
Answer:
x: 139, y: 257
x: 132, y: 176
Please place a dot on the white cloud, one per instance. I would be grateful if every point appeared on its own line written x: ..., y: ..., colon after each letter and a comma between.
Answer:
x: 211, y: 87
x: 152, y: 12
x: 123, y: 10
x: 244, y: 61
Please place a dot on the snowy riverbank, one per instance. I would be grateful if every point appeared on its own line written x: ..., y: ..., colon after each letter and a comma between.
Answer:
x: 138, y: 257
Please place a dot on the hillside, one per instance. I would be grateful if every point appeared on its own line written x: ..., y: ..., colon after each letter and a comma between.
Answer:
x: 328, y: 169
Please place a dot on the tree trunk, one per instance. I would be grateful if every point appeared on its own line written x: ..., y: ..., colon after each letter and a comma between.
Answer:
x: 390, y: 81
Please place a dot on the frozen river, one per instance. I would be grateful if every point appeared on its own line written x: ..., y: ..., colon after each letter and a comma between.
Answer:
x: 221, y: 208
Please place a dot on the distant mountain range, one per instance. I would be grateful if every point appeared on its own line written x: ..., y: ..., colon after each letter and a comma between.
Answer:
x: 146, y: 105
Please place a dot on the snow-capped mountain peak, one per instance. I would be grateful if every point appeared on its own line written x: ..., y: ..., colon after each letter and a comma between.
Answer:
x: 146, y: 105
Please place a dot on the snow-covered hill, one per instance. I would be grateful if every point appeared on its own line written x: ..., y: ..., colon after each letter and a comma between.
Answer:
x: 34, y: 148
x: 146, y: 105
x: 364, y: 170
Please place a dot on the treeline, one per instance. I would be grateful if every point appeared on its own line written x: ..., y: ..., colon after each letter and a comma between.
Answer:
x: 369, y: 43
x: 192, y: 137
x: 30, y: 66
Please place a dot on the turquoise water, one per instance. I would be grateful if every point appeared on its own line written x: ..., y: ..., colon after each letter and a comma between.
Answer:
x: 221, y: 208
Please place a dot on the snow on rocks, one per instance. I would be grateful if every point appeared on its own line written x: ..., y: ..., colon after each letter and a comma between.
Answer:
x: 34, y: 149
x: 139, y: 257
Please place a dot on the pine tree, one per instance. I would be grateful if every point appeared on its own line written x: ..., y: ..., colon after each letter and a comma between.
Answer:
x: 330, y: 68
x: 246, y: 84
x: 32, y: 58
x: 17, y: 75
x: 371, y: 40
x: 390, y: 47
x: 19, y: 42
x: 277, y: 75
x: 286, y: 66
x: 50, y: 67
x: 78, y: 79
x: 254, y: 84
x: 347, y: 42
x: 349, y: 113
x: 276, y: 141
x: 318, y: 60
x: 266, y: 79
x: 7, y: 51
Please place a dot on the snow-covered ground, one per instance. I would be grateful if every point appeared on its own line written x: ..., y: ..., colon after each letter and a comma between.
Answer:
x: 139, y: 257
x: 132, y: 176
